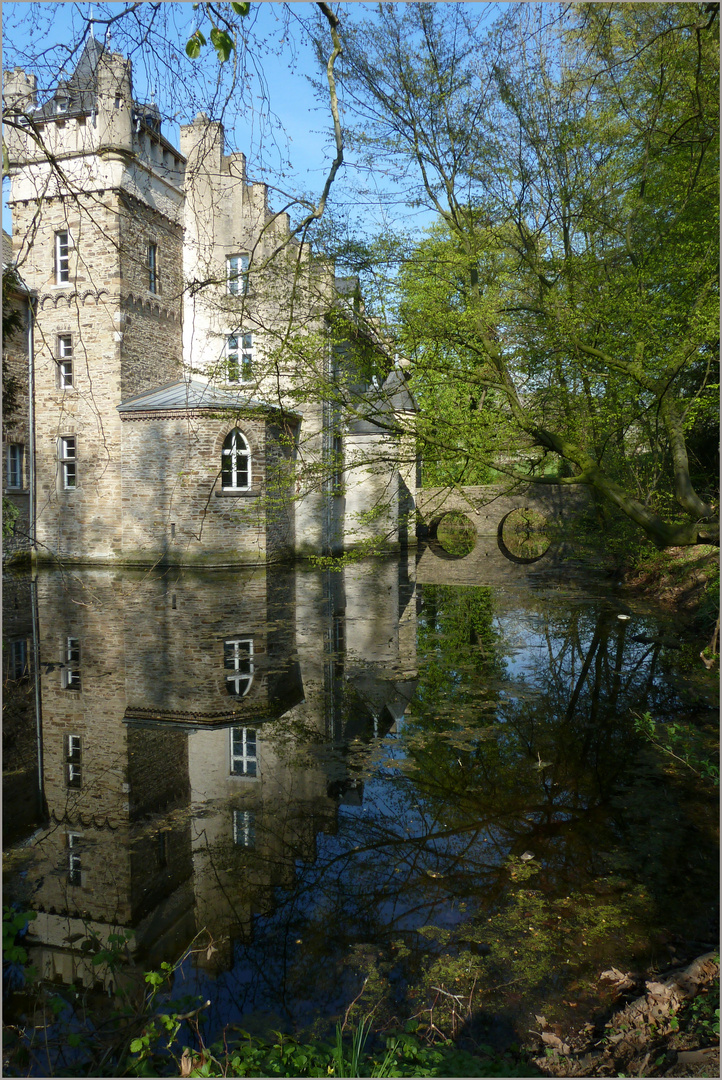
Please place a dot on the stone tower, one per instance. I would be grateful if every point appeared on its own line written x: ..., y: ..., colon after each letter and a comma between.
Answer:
x: 97, y: 205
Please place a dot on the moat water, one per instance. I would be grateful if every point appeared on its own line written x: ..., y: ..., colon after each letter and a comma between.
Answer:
x: 386, y: 784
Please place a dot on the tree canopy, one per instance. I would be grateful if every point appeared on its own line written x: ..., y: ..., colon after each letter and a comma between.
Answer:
x: 567, y: 300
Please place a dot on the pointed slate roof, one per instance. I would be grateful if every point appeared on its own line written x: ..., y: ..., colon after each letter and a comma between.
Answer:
x: 192, y: 394
x: 81, y: 89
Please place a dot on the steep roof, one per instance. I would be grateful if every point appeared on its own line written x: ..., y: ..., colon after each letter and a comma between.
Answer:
x: 81, y: 89
x: 192, y: 394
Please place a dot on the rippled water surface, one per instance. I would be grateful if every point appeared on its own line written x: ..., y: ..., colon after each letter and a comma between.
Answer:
x: 303, y: 780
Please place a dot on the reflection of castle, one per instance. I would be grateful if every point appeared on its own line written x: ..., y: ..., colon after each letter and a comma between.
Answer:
x: 183, y: 726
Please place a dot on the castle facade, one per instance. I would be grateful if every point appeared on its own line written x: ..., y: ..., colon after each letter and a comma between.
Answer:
x: 197, y: 387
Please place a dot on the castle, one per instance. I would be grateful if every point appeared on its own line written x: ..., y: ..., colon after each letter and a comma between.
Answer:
x: 201, y: 389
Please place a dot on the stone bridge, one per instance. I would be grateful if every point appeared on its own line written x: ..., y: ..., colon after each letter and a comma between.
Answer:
x: 495, y: 559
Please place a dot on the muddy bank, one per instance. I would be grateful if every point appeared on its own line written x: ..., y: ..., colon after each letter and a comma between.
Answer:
x: 684, y: 579
x: 662, y: 1025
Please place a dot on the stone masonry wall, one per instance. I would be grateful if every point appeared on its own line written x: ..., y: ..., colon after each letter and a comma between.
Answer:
x: 172, y: 502
x: 16, y: 429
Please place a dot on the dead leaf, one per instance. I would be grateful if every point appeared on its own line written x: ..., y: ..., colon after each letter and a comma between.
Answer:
x: 555, y: 1042
x: 696, y: 1057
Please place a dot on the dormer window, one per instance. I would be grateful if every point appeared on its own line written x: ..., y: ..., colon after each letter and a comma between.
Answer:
x: 61, y: 104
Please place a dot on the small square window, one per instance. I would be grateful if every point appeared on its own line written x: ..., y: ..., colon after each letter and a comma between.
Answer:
x: 65, y: 361
x: 237, y: 274
x: 15, y: 462
x: 62, y: 257
x: 66, y: 458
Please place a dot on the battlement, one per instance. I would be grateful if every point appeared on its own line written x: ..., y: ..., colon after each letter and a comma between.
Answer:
x: 91, y: 114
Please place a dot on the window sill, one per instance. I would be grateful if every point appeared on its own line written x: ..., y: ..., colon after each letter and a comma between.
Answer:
x: 237, y: 494
x: 16, y: 491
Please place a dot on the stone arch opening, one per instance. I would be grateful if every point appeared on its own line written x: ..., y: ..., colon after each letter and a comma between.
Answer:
x: 452, y: 535
x: 523, y: 536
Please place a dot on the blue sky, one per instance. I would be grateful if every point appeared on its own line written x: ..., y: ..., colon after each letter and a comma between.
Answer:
x: 278, y: 122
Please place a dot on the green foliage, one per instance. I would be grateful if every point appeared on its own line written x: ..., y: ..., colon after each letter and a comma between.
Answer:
x: 681, y: 742
x: 15, y: 924
x: 701, y: 1016
x: 222, y: 40
x: 572, y: 163
x: 398, y: 1054
x: 10, y: 516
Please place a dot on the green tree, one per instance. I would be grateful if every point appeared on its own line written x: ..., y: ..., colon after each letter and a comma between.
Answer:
x: 572, y: 282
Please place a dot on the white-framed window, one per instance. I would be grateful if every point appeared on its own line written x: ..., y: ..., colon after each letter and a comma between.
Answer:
x: 153, y: 268
x: 67, y: 462
x: 70, y: 674
x: 62, y: 257
x: 65, y: 361
x: 239, y: 357
x: 18, y: 659
x: 74, y: 867
x: 244, y: 761
x: 238, y: 663
x: 236, y: 462
x: 73, y: 761
x: 237, y: 274
x: 15, y: 462
x: 244, y: 828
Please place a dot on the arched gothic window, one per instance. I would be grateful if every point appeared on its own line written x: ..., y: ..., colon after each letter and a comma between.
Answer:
x: 236, y: 463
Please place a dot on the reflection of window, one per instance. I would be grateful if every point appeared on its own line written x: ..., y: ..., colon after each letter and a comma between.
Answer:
x: 238, y: 659
x: 66, y: 457
x: 73, y: 760
x: 152, y: 268
x: 71, y: 667
x: 235, y: 463
x: 74, y: 873
x: 65, y: 360
x: 239, y: 357
x: 16, y: 454
x: 18, y: 659
x: 62, y: 258
x: 337, y: 459
x: 244, y: 828
x: 237, y: 274
x: 243, y: 752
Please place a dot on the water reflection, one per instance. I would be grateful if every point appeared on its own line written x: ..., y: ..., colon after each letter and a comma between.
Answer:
x: 314, y: 777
